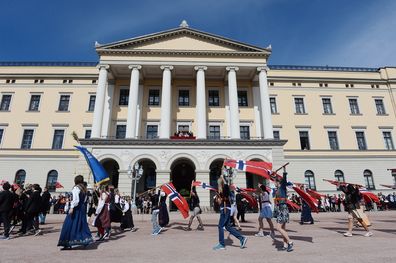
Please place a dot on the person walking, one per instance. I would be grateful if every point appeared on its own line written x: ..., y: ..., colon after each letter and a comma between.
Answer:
x: 196, y: 210
x: 6, y: 202
x: 102, y: 220
x: 45, y: 205
x: 352, y: 199
x: 281, y: 212
x: 265, y: 212
x: 75, y: 230
x: 223, y: 199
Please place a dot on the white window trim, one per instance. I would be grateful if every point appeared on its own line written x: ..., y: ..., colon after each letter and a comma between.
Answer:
x: 152, y: 123
x: 333, y: 129
x: 160, y: 95
x: 278, y: 130
x: 184, y: 123
x: 39, y: 107
x: 85, y: 131
x: 305, y: 129
x: 216, y: 123
x: 119, y: 96
x: 304, y: 104
x: 2, y: 127
x: 361, y: 129
x: 11, y: 100
x: 70, y: 101
x: 207, y: 96
x: 249, y: 100
x: 55, y: 127
x: 382, y: 135
x: 27, y: 127
x: 190, y: 102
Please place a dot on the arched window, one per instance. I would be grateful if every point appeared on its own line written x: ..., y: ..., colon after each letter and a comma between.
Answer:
x: 52, y: 178
x: 368, y: 179
x: 20, y: 177
x: 394, y: 176
x: 310, y: 179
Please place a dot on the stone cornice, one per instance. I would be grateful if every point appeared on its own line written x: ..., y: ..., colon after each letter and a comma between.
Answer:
x: 195, y: 53
x: 169, y: 142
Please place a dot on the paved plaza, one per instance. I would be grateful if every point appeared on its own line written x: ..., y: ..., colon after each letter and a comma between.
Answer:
x: 322, y: 242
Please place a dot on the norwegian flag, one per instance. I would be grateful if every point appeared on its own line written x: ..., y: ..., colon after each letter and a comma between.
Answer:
x: 176, y: 198
x: 204, y: 186
x: 259, y: 168
x: 369, y: 196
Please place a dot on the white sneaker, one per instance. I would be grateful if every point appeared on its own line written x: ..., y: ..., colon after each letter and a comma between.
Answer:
x: 259, y: 234
x: 368, y: 234
x: 347, y: 234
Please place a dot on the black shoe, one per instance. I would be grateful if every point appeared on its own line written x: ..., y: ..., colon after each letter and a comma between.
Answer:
x: 301, y: 223
x: 312, y: 222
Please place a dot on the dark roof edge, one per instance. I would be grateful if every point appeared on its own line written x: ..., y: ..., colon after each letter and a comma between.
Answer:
x: 323, y: 68
x: 49, y: 64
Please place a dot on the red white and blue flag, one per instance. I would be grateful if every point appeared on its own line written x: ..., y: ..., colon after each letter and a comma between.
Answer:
x: 176, y: 198
x: 204, y: 186
x: 263, y: 169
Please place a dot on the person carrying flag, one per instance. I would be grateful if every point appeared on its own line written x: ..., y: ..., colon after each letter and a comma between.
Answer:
x: 281, y: 212
x: 223, y: 199
x: 196, y: 210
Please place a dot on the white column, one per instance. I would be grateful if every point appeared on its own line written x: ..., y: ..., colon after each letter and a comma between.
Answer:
x: 107, y: 111
x: 233, y: 100
x: 201, y: 102
x: 257, y: 110
x: 227, y: 112
x: 99, y: 101
x: 265, y: 103
x: 139, y: 112
x: 132, y: 102
x: 166, y: 102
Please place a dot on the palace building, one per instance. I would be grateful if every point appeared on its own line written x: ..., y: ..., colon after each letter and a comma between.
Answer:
x: 179, y: 102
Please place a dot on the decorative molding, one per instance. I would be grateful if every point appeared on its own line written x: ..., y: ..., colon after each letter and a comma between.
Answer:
x: 331, y: 127
x: 200, y: 68
x: 60, y: 125
x: 303, y: 126
x: 359, y: 127
x: 323, y: 68
x: 138, y: 67
x: 166, y: 67
x: 232, y: 68
x: 102, y: 66
x: 379, y: 127
x: 29, y: 124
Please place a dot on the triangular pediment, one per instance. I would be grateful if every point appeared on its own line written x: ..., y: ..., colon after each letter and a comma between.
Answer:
x: 182, y: 39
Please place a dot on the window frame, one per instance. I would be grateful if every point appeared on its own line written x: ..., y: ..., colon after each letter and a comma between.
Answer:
x: 126, y: 101
x: 366, y: 175
x: 357, y: 140
x: 23, y: 134
x: 242, y: 125
x: 181, y: 100
x: 159, y: 97
x: 116, y: 131
x: 336, y: 140
x: 151, y: 124
x: 51, y: 188
x: 240, y: 102
x: 385, y: 140
x: 308, y: 177
x: 30, y: 102
x: 68, y: 104
x: 303, y: 105
x: 24, y: 177
x: 90, y: 133
x: 380, y: 106
x: 2, y: 132
x: 352, y: 109
x: 273, y: 111
x: 218, y: 97
x: 309, y: 142
x: 214, y: 125
x: 53, y: 139
x: 90, y: 101
x: 329, y: 104
x: 9, y: 104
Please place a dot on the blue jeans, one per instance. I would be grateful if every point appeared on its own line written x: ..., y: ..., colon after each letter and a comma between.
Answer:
x: 225, y: 222
x: 154, y: 220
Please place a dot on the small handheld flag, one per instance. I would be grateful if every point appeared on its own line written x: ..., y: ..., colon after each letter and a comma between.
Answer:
x: 204, y: 186
x: 176, y: 198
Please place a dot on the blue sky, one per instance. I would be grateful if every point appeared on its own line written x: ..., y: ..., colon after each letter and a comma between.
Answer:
x: 358, y: 33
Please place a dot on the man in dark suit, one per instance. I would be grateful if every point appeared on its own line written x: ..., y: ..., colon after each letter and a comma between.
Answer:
x: 6, y: 202
x: 45, y: 205
x: 33, y: 207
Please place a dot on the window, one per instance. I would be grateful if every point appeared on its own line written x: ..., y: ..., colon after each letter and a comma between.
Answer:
x: 214, y: 132
x: 94, y: 81
x: 38, y: 81
x: 27, y: 139
x: 183, y: 128
x: 299, y: 103
x: 388, y: 140
x: 10, y: 81
x: 1, y: 135
x: 242, y: 98
x: 379, y: 104
x: 91, y: 104
x: 34, y: 102
x: 214, y: 99
x: 67, y: 81
x: 52, y: 178
x: 20, y: 177
x: 154, y: 97
x: 5, y: 103
x: 57, y: 141
x: 304, y: 140
x: 64, y: 103
x: 184, y: 97
x: 88, y: 134
x: 368, y: 179
x: 327, y: 108
x: 152, y: 131
x: 361, y: 141
x: 394, y: 176
x: 124, y: 97
x: 333, y: 140
x: 245, y: 133
x: 273, y: 105
x: 120, y: 131
x: 310, y: 179
x: 353, y: 104
x: 339, y: 176
x: 276, y: 135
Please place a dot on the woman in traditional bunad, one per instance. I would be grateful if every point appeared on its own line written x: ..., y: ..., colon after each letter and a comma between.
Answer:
x: 126, y: 219
x: 75, y: 230
x: 102, y: 220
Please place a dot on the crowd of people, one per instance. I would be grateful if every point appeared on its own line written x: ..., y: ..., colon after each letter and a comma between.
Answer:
x: 26, y: 208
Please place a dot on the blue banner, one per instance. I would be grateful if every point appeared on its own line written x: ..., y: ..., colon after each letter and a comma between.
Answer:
x: 99, y: 173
